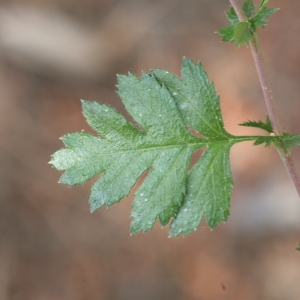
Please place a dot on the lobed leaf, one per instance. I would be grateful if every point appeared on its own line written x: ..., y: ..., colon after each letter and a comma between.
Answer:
x: 165, y: 108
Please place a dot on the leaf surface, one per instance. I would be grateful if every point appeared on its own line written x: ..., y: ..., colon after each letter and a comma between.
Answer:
x: 166, y: 109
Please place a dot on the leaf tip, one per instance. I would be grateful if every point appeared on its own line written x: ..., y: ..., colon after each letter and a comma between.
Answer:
x: 85, y: 104
x: 93, y: 207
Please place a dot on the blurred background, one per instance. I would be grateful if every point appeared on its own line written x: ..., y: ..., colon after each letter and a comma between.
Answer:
x: 54, y: 53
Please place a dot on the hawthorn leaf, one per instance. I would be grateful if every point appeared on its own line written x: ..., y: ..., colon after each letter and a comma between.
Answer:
x: 166, y: 109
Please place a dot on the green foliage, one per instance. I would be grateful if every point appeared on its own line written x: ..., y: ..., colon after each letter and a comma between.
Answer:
x: 248, y: 8
x: 285, y: 141
x: 263, y: 14
x: 267, y: 126
x: 242, y: 32
x: 298, y: 248
x: 173, y: 117
x: 164, y: 108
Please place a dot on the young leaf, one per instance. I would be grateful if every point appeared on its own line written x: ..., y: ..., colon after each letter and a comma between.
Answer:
x: 248, y: 8
x: 227, y: 33
x: 266, y: 139
x: 289, y: 140
x: 285, y: 141
x: 267, y: 126
x: 232, y: 16
x: 263, y: 15
x: 242, y: 32
x: 164, y: 107
x: 262, y: 5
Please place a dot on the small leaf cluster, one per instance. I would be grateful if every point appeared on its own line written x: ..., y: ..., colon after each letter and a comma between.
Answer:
x: 285, y: 141
x: 242, y: 32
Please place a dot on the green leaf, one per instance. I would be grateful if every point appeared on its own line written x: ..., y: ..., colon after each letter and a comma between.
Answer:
x: 289, y: 140
x: 243, y: 32
x: 239, y: 32
x: 267, y: 126
x: 227, y: 33
x: 232, y: 16
x: 248, y: 8
x: 268, y: 140
x: 263, y: 15
x: 298, y: 248
x: 285, y: 141
x: 196, y: 99
x: 263, y: 4
x: 166, y: 110
x: 203, y: 193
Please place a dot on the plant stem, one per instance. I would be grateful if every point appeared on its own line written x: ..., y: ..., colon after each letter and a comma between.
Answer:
x: 267, y: 93
x: 238, y: 10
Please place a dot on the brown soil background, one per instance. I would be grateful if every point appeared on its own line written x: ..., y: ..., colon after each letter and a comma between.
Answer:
x: 53, y: 53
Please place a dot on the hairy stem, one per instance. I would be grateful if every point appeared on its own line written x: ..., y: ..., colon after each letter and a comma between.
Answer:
x: 267, y: 93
